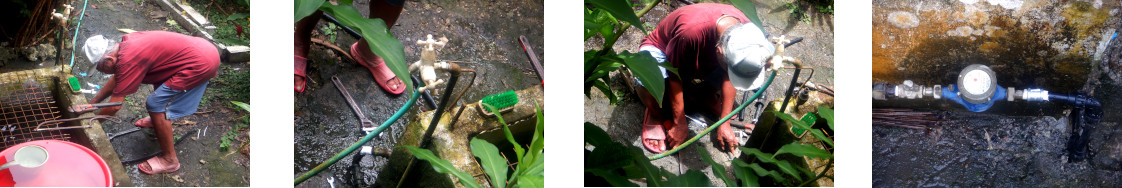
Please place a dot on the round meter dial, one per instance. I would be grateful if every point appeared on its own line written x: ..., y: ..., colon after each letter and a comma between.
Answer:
x: 977, y: 83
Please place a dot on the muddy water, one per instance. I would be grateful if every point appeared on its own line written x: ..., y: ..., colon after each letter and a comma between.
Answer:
x: 485, y: 34
x: 1030, y: 44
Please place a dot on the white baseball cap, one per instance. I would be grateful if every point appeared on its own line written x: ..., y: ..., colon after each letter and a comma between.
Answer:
x: 746, y: 49
x: 97, y: 47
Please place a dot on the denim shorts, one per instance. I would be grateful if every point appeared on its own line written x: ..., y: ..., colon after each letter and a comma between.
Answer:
x: 176, y: 103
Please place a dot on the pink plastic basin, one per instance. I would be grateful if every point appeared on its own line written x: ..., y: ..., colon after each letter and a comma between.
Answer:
x: 68, y: 165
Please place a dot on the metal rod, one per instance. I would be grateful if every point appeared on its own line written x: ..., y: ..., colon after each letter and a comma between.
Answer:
x: 95, y: 117
x: 364, y: 123
x: 456, y: 118
x: 533, y: 58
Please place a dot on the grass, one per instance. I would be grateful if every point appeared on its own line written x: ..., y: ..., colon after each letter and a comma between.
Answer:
x: 799, y: 8
x: 232, y: 85
x: 242, y: 123
x: 228, y: 16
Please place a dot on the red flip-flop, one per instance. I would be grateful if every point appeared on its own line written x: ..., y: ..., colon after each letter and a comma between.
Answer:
x: 299, y: 77
x: 382, y: 74
x: 652, y: 130
x: 145, y: 122
x: 151, y: 169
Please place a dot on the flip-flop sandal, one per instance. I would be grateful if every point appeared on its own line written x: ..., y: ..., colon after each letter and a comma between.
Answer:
x: 382, y: 74
x: 301, y: 64
x: 145, y: 122
x: 653, y: 132
x: 151, y: 170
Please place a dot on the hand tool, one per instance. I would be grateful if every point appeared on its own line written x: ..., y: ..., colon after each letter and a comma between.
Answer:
x: 533, y: 58
x: 367, y: 125
x: 83, y: 108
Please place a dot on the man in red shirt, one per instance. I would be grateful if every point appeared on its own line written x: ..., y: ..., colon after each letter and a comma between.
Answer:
x: 717, y: 50
x: 178, y: 65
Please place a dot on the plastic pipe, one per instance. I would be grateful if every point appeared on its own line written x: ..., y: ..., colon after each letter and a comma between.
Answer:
x: 722, y: 121
x: 356, y: 145
x: 75, y: 40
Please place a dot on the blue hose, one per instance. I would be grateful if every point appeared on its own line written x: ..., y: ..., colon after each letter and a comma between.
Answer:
x: 74, y: 42
x: 359, y: 144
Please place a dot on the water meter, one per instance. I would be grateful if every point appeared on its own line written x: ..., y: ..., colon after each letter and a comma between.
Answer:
x: 977, y: 84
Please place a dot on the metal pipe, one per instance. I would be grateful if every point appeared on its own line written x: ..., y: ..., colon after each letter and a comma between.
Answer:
x: 426, y: 139
x: 462, y: 105
x: 794, y: 80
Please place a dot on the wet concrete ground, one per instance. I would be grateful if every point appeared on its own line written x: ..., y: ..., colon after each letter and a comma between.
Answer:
x: 202, y: 162
x: 483, y: 33
x: 1012, y: 145
x: 622, y: 121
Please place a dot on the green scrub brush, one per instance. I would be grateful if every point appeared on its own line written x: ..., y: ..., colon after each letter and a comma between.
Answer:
x: 503, y: 102
x: 74, y: 86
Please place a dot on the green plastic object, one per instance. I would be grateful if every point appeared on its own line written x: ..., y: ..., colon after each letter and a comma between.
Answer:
x: 74, y: 86
x: 501, y: 100
x: 809, y: 119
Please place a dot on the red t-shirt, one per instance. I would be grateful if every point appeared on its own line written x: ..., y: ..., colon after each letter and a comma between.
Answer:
x: 180, y: 61
x: 688, y: 37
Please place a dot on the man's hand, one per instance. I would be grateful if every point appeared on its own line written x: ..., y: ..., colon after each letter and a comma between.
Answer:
x: 724, y: 139
x: 82, y: 108
x: 111, y: 110
x: 676, y: 135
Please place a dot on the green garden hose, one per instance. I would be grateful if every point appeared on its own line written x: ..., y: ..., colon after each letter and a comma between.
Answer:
x: 714, y: 126
x: 74, y: 42
x: 359, y: 144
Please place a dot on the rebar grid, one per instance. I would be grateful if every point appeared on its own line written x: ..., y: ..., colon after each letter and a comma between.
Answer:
x: 23, y: 105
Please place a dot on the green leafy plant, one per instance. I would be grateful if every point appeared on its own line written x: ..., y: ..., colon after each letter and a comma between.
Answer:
x: 234, y: 84
x: 374, y: 31
x: 798, y: 8
x: 529, y: 170
x: 330, y: 31
x: 232, y: 28
x: 232, y: 135
x: 789, y: 173
x: 617, y: 163
x: 610, y: 19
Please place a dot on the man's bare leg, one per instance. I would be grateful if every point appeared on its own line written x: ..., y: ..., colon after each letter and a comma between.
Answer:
x: 675, y: 99
x: 302, y: 43
x: 653, y: 132
x: 168, y: 159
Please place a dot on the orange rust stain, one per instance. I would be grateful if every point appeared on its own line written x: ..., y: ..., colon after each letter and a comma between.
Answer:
x: 978, y: 18
x: 989, y: 47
